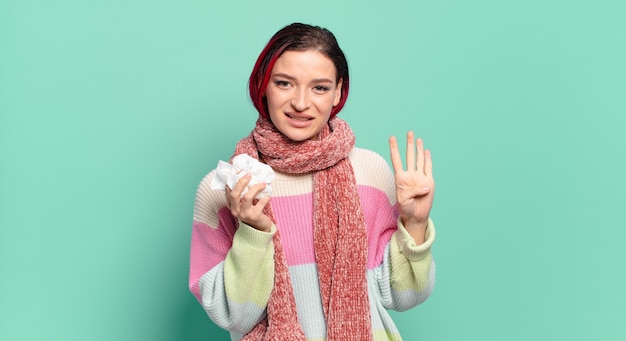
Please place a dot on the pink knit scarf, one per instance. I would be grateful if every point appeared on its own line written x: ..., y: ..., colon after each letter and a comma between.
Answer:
x: 340, y: 237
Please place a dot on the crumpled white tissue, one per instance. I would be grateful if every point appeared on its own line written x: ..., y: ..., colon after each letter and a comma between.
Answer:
x: 229, y: 174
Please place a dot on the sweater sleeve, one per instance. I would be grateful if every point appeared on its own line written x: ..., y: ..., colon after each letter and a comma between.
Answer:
x: 411, y: 268
x: 231, y: 263
x: 403, y: 271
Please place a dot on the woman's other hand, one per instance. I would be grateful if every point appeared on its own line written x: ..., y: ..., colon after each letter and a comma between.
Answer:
x: 246, y: 207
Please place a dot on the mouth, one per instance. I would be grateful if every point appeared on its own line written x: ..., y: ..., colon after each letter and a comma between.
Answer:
x: 299, y: 118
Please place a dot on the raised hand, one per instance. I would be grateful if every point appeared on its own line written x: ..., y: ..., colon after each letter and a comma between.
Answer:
x: 415, y: 186
x: 245, y: 207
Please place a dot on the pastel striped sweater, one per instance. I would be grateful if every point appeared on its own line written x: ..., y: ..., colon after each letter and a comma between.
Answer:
x: 232, y: 266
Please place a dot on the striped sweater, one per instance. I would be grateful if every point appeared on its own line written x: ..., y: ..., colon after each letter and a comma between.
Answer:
x: 232, y: 264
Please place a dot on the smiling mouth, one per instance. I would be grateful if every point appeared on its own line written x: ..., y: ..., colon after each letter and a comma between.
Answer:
x: 299, y: 118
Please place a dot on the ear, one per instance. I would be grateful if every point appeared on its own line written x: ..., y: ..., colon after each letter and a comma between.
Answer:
x: 338, y: 92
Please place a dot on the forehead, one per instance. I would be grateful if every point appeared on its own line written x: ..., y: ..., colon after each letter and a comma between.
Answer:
x: 309, y: 63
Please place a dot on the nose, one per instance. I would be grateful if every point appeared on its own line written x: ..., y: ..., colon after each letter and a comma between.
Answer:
x: 300, y: 100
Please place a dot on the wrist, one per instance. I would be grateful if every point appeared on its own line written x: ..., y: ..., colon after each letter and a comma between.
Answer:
x: 263, y: 227
x: 414, y: 224
x: 416, y: 229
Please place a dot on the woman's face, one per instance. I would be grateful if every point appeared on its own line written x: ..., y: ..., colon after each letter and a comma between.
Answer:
x: 301, y: 93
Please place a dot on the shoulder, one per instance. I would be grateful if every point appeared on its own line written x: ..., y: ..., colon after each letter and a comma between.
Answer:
x: 208, y: 201
x: 364, y: 157
x: 372, y: 170
x: 368, y: 165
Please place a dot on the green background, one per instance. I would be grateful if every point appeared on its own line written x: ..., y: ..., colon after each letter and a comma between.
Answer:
x: 111, y: 112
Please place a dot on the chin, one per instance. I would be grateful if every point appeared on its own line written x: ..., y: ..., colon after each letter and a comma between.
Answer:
x: 301, y: 137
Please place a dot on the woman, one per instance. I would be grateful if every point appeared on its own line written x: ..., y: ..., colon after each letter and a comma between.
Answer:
x: 341, y: 239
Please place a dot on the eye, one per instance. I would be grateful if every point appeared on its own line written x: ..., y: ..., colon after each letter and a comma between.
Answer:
x: 281, y: 83
x: 321, y: 88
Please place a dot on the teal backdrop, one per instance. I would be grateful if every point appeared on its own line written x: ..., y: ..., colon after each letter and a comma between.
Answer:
x: 111, y: 112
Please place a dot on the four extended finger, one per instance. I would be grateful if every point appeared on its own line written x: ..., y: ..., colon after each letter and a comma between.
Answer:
x: 428, y: 168
x: 410, y: 151
x: 420, y: 156
x: 396, y: 160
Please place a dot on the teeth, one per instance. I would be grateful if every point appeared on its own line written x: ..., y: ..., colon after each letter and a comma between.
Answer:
x: 298, y: 118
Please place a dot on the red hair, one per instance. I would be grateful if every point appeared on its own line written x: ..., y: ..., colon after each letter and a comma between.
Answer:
x: 297, y: 37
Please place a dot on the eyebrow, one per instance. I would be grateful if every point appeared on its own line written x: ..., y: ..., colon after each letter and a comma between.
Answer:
x: 316, y: 80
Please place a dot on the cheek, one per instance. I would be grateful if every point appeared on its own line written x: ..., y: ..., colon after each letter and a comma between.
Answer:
x: 274, y: 99
x: 327, y: 104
